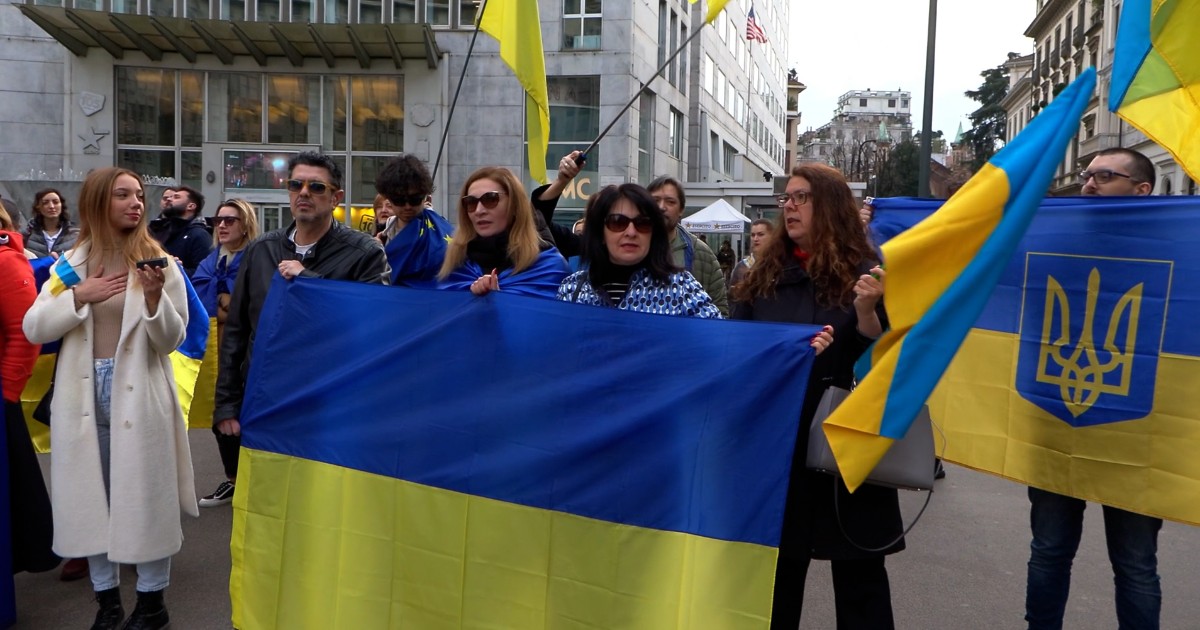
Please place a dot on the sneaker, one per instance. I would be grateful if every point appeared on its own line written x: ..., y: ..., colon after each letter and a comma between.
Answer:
x: 939, y: 471
x: 222, y: 495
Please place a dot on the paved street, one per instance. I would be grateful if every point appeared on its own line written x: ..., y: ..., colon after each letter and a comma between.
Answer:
x: 964, y: 567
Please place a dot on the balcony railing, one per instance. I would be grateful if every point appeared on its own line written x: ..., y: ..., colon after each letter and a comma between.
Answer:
x: 1097, y: 143
x: 1077, y: 39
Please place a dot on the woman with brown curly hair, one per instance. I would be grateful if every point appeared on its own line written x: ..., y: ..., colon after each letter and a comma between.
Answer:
x: 818, y: 268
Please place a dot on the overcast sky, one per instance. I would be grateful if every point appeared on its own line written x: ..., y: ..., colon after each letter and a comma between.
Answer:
x: 848, y: 45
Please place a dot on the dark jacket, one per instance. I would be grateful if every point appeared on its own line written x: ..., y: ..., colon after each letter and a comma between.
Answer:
x: 342, y: 254
x: 35, y: 241
x: 567, y: 241
x: 186, y: 239
x: 870, y: 516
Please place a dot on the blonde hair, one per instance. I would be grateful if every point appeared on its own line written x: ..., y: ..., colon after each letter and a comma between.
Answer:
x: 95, y: 209
x: 6, y: 222
x: 524, y: 244
x: 249, y: 219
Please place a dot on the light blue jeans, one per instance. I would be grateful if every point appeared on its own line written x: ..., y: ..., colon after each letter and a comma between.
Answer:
x: 154, y: 575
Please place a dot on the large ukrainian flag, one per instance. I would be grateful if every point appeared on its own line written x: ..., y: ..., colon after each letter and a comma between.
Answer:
x: 430, y: 459
x: 940, y: 275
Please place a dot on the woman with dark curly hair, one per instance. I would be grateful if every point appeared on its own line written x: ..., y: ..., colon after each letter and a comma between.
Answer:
x: 626, y: 259
x: 50, y: 232
x: 819, y: 268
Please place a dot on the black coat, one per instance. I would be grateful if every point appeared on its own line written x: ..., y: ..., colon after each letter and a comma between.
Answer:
x: 186, y: 239
x: 870, y: 516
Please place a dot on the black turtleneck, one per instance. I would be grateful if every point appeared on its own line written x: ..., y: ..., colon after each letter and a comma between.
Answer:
x: 490, y: 252
x: 613, y: 281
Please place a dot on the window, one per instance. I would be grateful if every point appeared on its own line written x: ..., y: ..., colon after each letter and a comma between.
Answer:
x: 721, y: 83
x: 369, y: 11
x: 728, y: 156
x: 646, y: 137
x: 234, y: 107
x: 673, y: 67
x: 230, y: 9
x: 862, y: 102
x: 581, y: 24
x: 684, y: 79
x: 904, y: 103
x: 706, y: 72
x: 714, y: 151
x: 165, y: 8
x: 676, y: 131
x: 292, y: 102
x: 267, y: 10
x: 146, y: 110
x: 437, y: 12
x: 574, y: 123
x: 337, y: 11
x: 468, y: 11
x: 662, y: 34
x: 304, y: 11
x: 404, y: 11
x: 377, y: 121
x: 892, y: 103
x: 192, y: 8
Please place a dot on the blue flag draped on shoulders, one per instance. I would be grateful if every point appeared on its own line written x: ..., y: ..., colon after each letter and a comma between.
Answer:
x: 940, y: 275
x: 416, y: 253
x: 215, y: 275
x: 541, y: 279
x: 534, y: 466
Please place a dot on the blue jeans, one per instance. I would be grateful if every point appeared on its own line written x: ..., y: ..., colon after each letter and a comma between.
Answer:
x: 154, y: 575
x: 1057, y: 523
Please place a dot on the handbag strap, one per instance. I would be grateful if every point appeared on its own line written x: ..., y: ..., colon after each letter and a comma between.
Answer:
x: 838, y: 514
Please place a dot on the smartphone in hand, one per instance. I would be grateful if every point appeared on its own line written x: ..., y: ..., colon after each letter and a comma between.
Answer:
x: 161, y: 263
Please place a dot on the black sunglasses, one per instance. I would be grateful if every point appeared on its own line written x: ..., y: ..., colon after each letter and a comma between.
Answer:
x: 619, y: 223
x: 488, y: 199
x: 315, y: 187
x: 226, y: 220
x: 415, y: 199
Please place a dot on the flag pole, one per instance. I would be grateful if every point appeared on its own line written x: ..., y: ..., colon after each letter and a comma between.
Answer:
x: 583, y: 156
x: 453, y: 103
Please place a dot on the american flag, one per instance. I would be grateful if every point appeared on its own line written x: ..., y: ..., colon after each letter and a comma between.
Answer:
x: 754, y: 32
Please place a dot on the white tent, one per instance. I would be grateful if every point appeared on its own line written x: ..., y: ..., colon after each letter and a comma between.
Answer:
x: 719, y: 217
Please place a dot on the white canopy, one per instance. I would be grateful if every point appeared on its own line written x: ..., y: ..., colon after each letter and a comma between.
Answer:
x: 719, y: 216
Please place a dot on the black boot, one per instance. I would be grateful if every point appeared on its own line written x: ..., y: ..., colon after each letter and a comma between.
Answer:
x: 149, y: 614
x: 111, y: 612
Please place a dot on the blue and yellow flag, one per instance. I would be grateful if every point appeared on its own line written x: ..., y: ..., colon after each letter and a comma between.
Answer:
x: 940, y: 275
x: 518, y: 27
x: 416, y: 253
x: 1156, y: 75
x: 714, y: 9
x: 526, y: 463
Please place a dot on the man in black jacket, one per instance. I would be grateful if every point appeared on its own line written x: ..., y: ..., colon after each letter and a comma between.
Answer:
x: 314, y: 246
x: 182, y: 230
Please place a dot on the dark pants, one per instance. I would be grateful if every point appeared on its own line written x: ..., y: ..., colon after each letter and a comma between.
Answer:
x: 32, y: 523
x: 862, y: 595
x: 228, y: 445
x: 1057, y: 523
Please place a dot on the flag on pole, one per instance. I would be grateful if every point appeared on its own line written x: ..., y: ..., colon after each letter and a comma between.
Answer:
x: 1156, y: 75
x: 714, y: 9
x: 518, y: 28
x: 940, y: 276
x: 754, y: 32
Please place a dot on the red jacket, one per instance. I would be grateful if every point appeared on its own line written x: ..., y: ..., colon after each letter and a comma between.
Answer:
x: 17, y: 293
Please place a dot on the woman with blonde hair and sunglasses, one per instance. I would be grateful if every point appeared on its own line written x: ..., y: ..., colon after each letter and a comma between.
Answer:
x: 121, y: 465
x: 626, y: 262
x: 496, y: 246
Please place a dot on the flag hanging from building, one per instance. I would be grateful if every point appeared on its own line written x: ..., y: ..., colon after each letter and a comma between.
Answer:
x: 754, y: 32
x: 529, y: 468
x: 1156, y: 75
x: 940, y: 275
x: 518, y: 27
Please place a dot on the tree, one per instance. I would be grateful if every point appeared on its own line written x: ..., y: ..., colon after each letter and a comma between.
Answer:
x: 898, y: 177
x: 988, y: 123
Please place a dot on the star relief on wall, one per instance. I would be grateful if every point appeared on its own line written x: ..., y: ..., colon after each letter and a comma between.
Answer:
x: 91, y: 141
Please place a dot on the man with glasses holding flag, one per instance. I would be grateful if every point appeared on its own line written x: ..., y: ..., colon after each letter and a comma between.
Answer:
x: 313, y: 246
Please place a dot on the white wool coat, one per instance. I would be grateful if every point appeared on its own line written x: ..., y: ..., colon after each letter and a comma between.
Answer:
x: 151, y: 463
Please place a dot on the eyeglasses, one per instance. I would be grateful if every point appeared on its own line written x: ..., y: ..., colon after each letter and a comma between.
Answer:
x: 414, y: 199
x: 488, y: 199
x: 619, y: 223
x: 315, y: 187
x: 226, y: 220
x: 1102, y: 176
x: 799, y: 198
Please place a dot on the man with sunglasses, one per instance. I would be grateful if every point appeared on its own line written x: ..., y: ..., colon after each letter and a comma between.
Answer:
x: 1057, y: 520
x: 689, y: 252
x: 313, y: 246
x: 415, y: 236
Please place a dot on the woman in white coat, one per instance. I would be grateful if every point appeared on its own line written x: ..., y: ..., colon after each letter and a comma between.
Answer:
x: 120, y: 466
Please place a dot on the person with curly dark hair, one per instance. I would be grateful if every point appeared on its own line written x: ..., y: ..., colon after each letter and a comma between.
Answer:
x: 817, y: 267
x: 414, y: 235
x: 50, y: 232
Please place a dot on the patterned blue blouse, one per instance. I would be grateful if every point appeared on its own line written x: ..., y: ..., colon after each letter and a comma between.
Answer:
x: 681, y: 295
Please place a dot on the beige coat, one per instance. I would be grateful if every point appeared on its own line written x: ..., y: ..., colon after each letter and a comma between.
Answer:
x: 151, y: 464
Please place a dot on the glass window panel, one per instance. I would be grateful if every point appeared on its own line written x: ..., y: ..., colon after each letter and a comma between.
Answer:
x: 258, y: 170
x: 233, y: 9
x: 146, y: 106
x: 571, y: 7
x: 303, y: 11
x: 378, y: 113
x: 592, y: 6
x: 646, y: 137
x: 572, y: 32
x: 268, y: 10
x: 122, y: 6
x: 49, y: 3
x: 437, y: 12
x: 234, y: 107
x: 370, y: 12
x: 165, y: 8
x: 364, y: 169
x: 192, y: 169
x: 337, y: 11
x: 90, y: 5
x: 196, y: 8
x: 334, y: 137
x: 147, y: 163
x: 468, y: 11
x: 191, y: 129
x: 574, y: 109
x: 404, y: 11
x: 293, y: 102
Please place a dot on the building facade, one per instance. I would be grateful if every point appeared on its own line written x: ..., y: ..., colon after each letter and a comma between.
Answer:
x: 865, y: 126
x: 1070, y: 36
x: 218, y: 94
